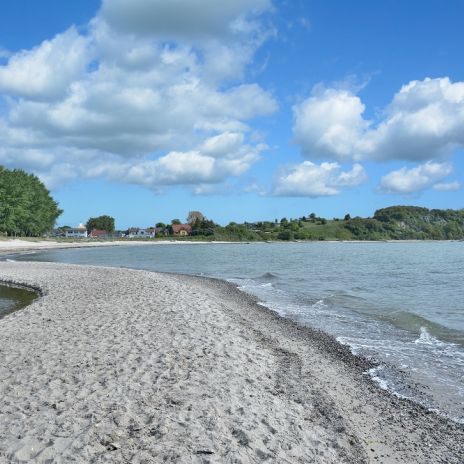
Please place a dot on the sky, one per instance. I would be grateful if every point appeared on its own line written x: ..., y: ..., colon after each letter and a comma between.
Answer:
x: 245, y: 110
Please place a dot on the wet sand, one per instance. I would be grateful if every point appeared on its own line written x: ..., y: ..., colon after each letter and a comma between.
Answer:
x: 118, y: 365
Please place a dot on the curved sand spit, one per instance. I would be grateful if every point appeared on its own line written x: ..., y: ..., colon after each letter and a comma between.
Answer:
x: 125, y: 366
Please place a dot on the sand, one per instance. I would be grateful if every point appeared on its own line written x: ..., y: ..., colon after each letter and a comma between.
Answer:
x: 125, y: 366
x: 10, y: 246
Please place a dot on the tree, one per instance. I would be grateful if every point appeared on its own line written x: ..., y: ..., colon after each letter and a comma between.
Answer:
x: 101, y: 223
x: 26, y: 206
x: 175, y: 221
x: 347, y: 217
x: 312, y: 217
x: 195, y: 216
x: 285, y: 235
x: 161, y: 224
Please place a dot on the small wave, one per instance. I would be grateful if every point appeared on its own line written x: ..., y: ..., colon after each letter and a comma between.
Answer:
x: 319, y: 304
x: 382, y: 383
x: 255, y: 285
x: 423, y: 327
x: 379, y: 376
x: 266, y: 285
x: 10, y: 260
x: 426, y: 339
x: 267, y: 276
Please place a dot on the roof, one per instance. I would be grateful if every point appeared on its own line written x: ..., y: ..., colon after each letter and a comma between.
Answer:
x: 176, y: 228
x: 97, y: 232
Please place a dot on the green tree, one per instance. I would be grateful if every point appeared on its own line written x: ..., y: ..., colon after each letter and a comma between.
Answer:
x: 161, y: 224
x: 285, y: 235
x: 26, y: 206
x: 195, y: 216
x: 175, y: 221
x: 101, y: 223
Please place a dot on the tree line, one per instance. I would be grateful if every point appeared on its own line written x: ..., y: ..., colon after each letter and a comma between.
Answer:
x: 27, y: 209
x: 26, y: 206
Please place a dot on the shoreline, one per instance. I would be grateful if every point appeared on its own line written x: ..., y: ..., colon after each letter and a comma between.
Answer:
x: 15, y: 246
x: 218, y: 348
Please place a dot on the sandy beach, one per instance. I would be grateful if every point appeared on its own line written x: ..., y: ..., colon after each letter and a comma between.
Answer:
x: 117, y: 365
x: 10, y: 246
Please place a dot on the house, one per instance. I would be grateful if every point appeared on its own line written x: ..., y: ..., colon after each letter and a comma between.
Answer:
x: 98, y: 233
x: 181, y: 229
x: 137, y: 232
x: 76, y: 232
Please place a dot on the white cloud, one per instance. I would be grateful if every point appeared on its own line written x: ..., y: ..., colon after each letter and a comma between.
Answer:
x: 128, y: 102
x: 423, y: 122
x: 329, y: 124
x: 214, y: 161
x: 46, y: 71
x: 407, y: 181
x: 448, y: 187
x: 312, y: 180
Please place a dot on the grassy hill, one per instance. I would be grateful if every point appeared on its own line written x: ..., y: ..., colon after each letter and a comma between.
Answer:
x: 392, y: 223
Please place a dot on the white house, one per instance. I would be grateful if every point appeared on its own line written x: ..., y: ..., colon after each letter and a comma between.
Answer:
x: 79, y: 231
x: 137, y: 232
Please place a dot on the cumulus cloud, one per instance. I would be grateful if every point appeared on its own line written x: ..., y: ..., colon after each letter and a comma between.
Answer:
x: 448, y: 186
x: 329, y: 124
x: 424, y: 121
x: 145, y: 96
x: 312, y: 180
x: 46, y: 71
x: 408, y: 181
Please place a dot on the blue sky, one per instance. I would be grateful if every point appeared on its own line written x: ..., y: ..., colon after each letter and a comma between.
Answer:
x: 243, y: 109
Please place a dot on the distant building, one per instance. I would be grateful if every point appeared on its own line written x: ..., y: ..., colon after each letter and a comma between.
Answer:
x: 181, y: 229
x: 137, y: 232
x: 56, y: 233
x: 98, y: 233
x: 76, y: 232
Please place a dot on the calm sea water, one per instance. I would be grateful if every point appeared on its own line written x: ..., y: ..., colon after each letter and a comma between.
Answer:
x: 400, y: 303
x: 12, y: 299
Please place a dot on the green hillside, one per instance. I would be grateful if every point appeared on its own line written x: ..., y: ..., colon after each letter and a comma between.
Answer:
x: 392, y: 223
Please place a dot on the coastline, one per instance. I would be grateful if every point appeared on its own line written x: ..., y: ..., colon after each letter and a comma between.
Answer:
x: 121, y: 365
x: 14, y: 246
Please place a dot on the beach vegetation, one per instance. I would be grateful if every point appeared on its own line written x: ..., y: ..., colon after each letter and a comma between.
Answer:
x: 26, y: 207
x: 104, y: 222
x: 394, y: 223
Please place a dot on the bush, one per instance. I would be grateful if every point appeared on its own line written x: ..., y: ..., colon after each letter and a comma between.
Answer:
x: 285, y: 235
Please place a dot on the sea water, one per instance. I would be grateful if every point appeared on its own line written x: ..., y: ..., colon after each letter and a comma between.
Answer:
x: 401, y: 304
x: 13, y: 298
